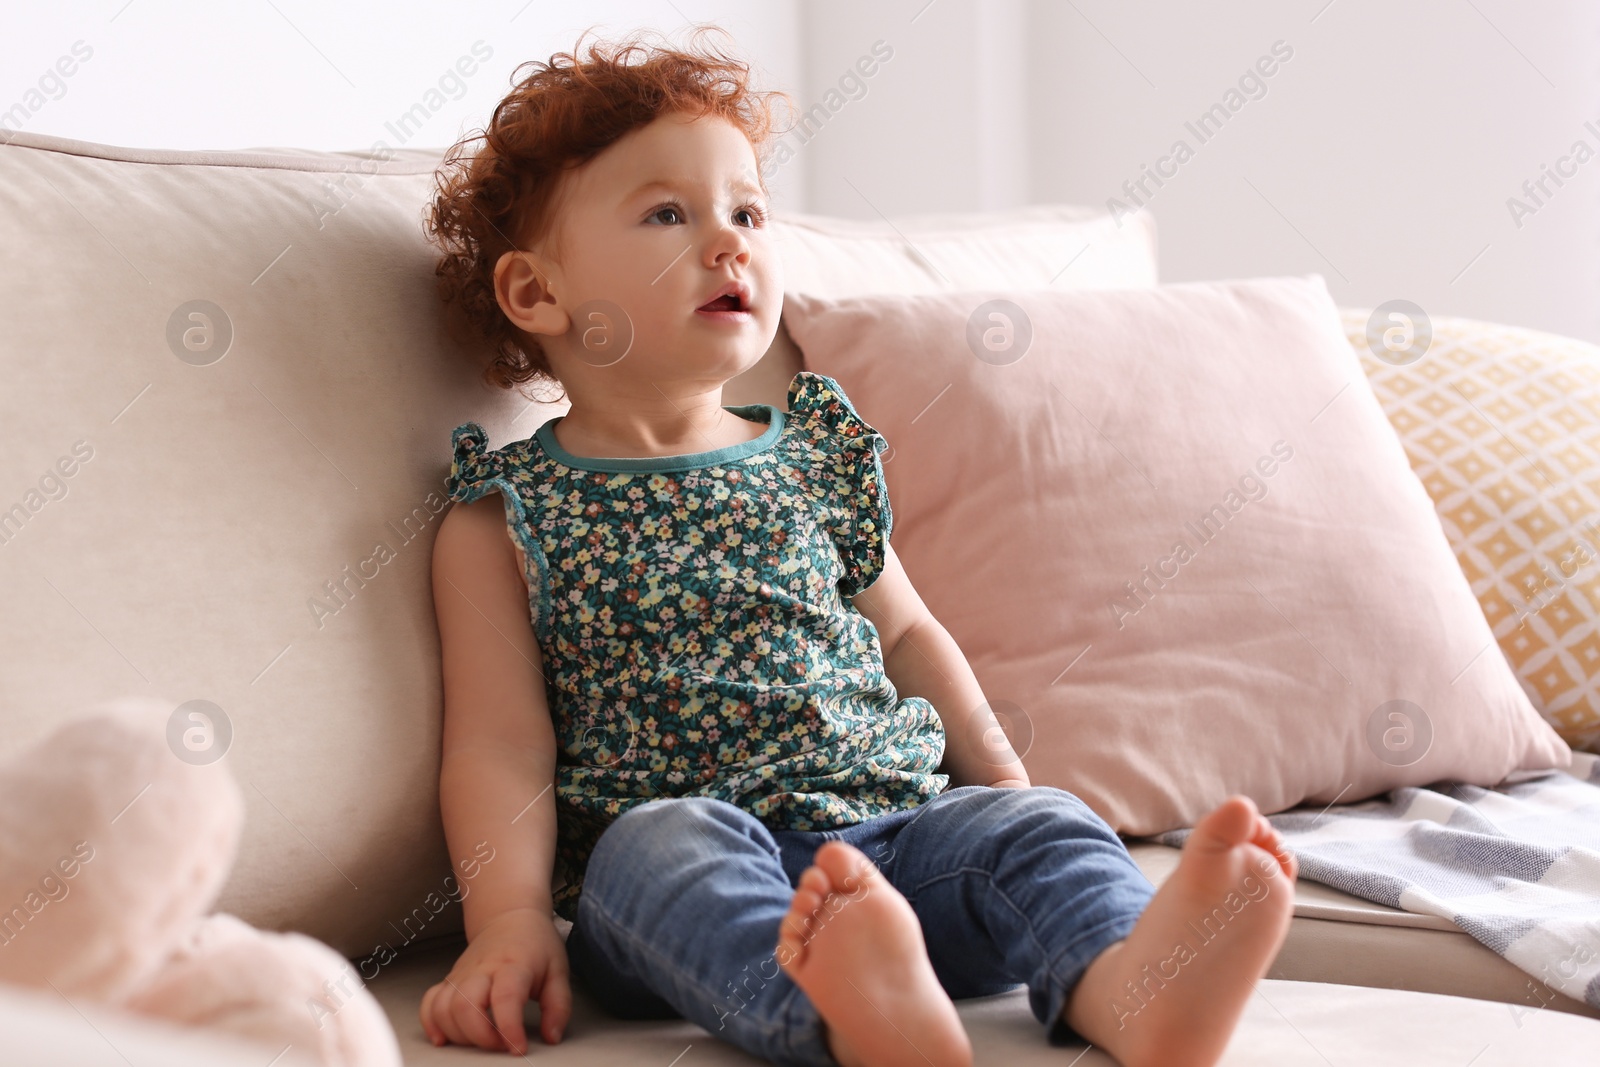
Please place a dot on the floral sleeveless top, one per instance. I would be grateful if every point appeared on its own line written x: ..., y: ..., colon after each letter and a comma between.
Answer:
x: 694, y: 619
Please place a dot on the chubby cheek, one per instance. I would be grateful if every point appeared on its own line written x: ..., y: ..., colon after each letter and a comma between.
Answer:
x: 767, y: 278
x: 617, y: 271
x: 648, y: 311
x: 660, y: 312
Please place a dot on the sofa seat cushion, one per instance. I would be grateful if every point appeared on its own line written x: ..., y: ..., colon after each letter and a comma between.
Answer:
x: 1287, y: 1024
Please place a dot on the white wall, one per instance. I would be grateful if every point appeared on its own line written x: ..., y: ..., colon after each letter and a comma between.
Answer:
x: 1381, y: 155
x: 943, y: 124
x: 189, y: 74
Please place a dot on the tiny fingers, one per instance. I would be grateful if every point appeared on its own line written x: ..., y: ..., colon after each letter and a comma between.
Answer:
x: 555, y: 1006
x: 468, y: 1012
x: 425, y: 1015
x: 442, y: 1014
x: 507, y: 997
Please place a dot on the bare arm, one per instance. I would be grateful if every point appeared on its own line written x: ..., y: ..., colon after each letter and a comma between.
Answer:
x: 923, y: 660
x: 495, y: 785
x: 499, y: 744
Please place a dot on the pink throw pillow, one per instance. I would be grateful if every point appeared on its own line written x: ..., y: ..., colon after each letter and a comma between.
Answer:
x: 1179, y: 543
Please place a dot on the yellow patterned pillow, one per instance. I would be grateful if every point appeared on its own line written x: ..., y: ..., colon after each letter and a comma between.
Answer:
x: 1502, y: 424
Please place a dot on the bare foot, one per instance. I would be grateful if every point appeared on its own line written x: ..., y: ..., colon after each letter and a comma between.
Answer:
x: 1173, y: 991
x: 852, y: 942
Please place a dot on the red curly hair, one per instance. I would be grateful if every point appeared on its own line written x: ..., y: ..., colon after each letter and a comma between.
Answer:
x: 495, y: 188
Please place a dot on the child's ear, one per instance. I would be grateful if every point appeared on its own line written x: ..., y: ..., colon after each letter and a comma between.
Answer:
x: 522, y: 289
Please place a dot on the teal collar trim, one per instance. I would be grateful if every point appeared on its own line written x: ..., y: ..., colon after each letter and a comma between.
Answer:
x: 683, y: 462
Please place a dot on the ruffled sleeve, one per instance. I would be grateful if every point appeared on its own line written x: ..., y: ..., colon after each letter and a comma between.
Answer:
x: 849, y: 478
x: 473, y: 467
x: 475, y: 471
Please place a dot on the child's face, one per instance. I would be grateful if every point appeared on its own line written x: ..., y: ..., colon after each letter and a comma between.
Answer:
x: 651, y: 230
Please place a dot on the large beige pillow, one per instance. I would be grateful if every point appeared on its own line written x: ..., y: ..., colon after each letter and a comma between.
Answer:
x: 226, y: 398
x: 1037, y: 247
x: 1179, y: 543
x: 226, y: 425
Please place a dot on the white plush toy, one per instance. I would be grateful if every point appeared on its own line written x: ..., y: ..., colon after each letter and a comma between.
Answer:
x: 112, y: 853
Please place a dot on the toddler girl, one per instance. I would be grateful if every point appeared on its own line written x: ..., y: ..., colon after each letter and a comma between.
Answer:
x: 684, y: 669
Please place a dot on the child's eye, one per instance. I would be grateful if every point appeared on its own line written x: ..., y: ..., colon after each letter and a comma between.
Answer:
x: 673, y: 210
x: 751, y: 212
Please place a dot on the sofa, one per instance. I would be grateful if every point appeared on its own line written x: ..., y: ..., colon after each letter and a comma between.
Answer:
x: 240, y: 357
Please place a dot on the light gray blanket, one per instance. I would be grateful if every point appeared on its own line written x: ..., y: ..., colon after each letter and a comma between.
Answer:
x: 1516, y: 866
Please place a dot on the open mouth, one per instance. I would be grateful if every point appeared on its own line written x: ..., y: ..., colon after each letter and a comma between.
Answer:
x: 731, y: 303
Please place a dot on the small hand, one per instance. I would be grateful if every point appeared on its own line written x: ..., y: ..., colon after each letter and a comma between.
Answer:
x: 518, y: 954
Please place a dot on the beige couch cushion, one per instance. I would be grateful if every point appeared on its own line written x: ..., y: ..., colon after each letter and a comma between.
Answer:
x: 1287, y: 1024
x: 1058, y: 245
x: 227, y: 421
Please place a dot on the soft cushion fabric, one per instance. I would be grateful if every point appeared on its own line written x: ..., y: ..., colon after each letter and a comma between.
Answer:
x: 1036, y: 247
x: 226, y: 430
x: 1179, y: 543
x: 1502, y: 424
x: 233, y: 502
x: 1285, y: 1024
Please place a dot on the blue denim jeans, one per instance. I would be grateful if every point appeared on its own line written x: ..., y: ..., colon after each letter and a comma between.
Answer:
x: 683, y: 896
